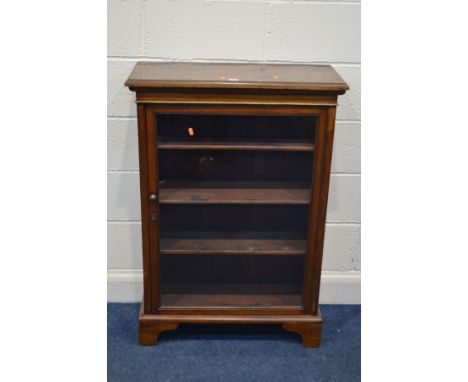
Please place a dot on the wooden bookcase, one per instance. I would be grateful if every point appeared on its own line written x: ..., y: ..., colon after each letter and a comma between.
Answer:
x: 234, y: 174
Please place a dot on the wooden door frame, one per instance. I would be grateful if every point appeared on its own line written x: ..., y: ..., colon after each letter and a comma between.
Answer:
x: 148, y: 158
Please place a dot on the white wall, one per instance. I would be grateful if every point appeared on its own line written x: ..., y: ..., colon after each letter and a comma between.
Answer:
x: 233, y: 31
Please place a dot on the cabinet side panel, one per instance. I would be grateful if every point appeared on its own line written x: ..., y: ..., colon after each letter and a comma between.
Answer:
x: 143, y: 164
x: 322, y: 208
x: 314, y: 213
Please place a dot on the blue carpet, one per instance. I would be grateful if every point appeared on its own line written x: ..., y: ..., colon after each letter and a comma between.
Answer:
x: 231, y: 353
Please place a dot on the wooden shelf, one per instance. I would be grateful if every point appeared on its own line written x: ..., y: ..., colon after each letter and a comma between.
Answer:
x: 230, y: 300
x: 232, y: 243
x: 233, y: 193
x: 230, y: 295
x: 239, y: 146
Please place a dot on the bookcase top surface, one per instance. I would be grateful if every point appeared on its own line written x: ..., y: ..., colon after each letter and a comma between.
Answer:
x: 316, y: 78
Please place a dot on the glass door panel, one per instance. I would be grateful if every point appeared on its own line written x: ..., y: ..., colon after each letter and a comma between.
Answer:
x: 234, y: 194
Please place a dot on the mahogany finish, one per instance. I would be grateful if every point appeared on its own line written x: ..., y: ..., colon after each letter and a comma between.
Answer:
x: 242, y: 243
x: 156, y: 76
x: 238, y: 146
x: 230, y: 194
x: 234, y: 174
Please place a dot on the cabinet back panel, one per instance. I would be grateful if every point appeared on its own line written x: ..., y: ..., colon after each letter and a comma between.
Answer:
x: 206, y: 165
x: 231, y: 269
x: 231, y: 281
x: 233, y: 218
x: 182, y: 127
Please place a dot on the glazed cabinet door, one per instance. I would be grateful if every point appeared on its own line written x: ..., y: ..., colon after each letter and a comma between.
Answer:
x: 229, y: 207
